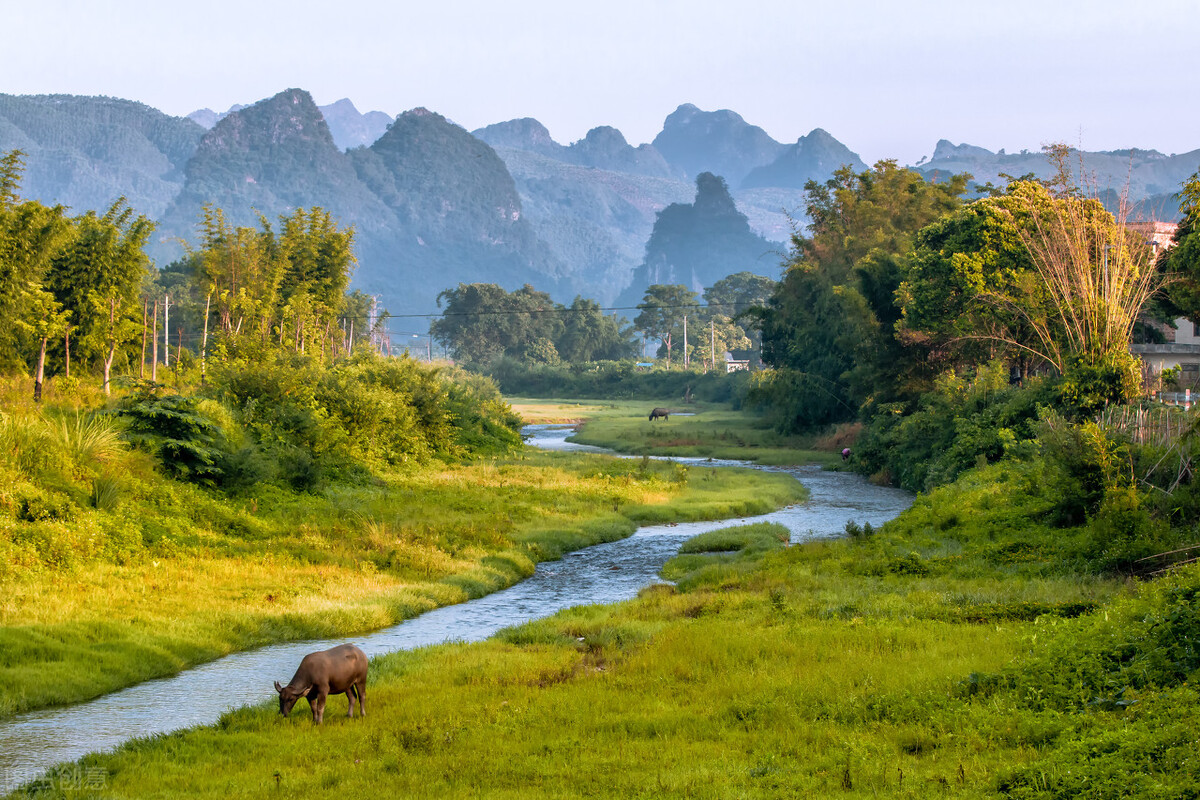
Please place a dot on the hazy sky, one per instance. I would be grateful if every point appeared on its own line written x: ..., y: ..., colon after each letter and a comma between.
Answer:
x: 886, y: 78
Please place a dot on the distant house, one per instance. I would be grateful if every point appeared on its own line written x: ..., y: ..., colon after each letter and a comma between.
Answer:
x: 1182, y: 348
x: 741, y: 361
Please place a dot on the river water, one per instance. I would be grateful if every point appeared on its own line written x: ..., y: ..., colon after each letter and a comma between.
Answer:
x: 31, y: 743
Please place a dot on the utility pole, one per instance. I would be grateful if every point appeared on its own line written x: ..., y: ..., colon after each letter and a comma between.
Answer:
x: 166, y: 330
x: 154, y: 347
x: 712, y: 352
x: 204, y: 339
x: 685, y: 350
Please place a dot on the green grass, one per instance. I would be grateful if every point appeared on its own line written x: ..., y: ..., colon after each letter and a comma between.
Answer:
x: 962, y: 651
x: 783, y: 673
x: 172, y: 575
x: 714, y: 431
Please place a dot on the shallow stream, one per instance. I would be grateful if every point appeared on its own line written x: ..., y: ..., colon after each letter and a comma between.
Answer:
x: 33, y: 742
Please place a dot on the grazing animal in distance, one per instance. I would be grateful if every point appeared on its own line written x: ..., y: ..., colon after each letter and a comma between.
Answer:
x: 846, y: 454
x: 658, y: 412
x: 339, y: 670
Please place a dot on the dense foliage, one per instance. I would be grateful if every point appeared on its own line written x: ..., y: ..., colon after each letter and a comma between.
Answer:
x: 482, y: 323
x: 617, y: 380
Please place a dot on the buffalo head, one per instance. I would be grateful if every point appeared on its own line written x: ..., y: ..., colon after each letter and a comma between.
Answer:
x: 288, y: 697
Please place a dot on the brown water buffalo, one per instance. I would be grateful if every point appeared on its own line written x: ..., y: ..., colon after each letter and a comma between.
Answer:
x: 339, y: 670
x: 658, y: 412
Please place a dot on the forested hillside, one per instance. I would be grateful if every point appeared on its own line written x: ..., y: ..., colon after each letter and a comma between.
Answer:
x: 85, y: 152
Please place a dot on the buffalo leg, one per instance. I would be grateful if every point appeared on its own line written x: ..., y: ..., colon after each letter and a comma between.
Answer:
x: 318, y: 708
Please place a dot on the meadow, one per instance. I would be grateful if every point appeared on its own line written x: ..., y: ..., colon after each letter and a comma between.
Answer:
x: 853, y: 668
x: 113, y: 573
x: 700, y: 429
x: 962, y: 650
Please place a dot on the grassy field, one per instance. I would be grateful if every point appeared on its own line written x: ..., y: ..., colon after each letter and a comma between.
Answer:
x: 704, y: 430
x: 956, y: 653
x: 768, y: 671
x: 91, y: 601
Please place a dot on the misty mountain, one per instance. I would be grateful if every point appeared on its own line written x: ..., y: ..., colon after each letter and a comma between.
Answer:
x: 348, y: 127
x: 426, y: 199
x: 456, y: 215
x: 85, y: 152
x: 720, y: 142
x: 351, y: 128
x: 1152, y: 179
x: 594, y: 202
x: 604, y: 148
x: 594, y: 222
x: 814, y: 157
x: 699, y: 243
x: 269, y: 158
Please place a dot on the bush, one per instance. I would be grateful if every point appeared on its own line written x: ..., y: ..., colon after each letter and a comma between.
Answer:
x: 616, y: 380
x: 188, y: 444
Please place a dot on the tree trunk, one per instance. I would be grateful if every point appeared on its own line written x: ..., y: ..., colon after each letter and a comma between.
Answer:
x: 204, y: 340
x: 154, y: 348
x: 142, y: 364
x: 41, y: 372
x: 108, y: 359
x: 67, y: 347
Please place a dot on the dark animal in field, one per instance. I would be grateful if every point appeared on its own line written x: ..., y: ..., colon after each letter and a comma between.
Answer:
x: 658, y: 412
x: 339, y: 670
x: 846, y: 454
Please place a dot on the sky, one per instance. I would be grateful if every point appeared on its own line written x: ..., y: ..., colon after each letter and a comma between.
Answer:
x: 888, y: 79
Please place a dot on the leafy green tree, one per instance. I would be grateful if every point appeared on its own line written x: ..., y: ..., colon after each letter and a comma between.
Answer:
x: 30, y: 233
x: 589, y: 335
x: 240, y: 269
x: 482, y: 322
x: 828, y: 331
x: 1032, y: 276
x: 730, y: 302
x: 318, y: 259
x: 736, y: 293
x: 289, y: 286
x: 97, y: 276
x: 881, y: 209
x: 662, y: 311
x: 1181, y: 262
x: 815, y: 333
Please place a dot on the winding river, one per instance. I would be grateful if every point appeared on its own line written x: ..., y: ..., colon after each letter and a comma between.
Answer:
x: 33, y: 742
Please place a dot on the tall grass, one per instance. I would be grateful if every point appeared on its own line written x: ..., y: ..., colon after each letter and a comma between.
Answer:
x: 96, y: 574
x: 786, y: 674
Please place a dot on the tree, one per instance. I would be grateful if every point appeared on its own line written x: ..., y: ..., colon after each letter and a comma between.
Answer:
x: 293, y: 282
x: 483, y: 322
x: 30, y: 233
x: 853, y: 214
x: 815, y: 333
x: 589, y: 335
x: 662, y: 311
x: 970, y: 286
x: 730, y: 302
x: 1181, y: 262
x: 828, y: 332
x: 97, y: 276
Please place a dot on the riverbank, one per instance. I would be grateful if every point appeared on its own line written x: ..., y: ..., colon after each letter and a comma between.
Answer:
x: 693, y: 430
x: 950, y: 653
x: 347, y: 560
x: 857, y: 667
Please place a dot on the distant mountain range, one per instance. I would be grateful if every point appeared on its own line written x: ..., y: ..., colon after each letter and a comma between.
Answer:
x: 435, y: 205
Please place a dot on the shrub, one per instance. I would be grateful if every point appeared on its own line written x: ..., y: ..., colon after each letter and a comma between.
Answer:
x: 188, y: 444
